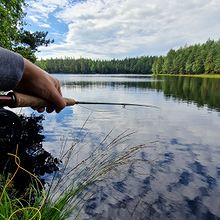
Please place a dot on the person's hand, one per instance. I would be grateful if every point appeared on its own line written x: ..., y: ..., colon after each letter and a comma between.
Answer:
x: 37, y: 82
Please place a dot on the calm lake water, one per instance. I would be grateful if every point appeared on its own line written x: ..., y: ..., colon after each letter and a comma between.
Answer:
x: 177, y: 175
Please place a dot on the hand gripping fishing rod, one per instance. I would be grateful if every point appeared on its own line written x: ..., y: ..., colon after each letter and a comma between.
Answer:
x: 14, y: 99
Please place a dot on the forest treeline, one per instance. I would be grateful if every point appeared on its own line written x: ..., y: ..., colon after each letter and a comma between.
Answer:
x: 195, y: 59
x: 141, y: 65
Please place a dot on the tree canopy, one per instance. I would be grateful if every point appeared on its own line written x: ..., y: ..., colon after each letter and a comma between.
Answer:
x: 140, y: 65
x: 11, y: 15
x: 194, y: 59
x: 13, y: 35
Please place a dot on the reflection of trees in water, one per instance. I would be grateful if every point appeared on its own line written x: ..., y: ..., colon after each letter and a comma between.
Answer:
x: 203, y: 91
x: 23, y: 132
x: 113, y: 84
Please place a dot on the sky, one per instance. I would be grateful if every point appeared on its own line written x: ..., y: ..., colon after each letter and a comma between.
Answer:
x: 107, y: 29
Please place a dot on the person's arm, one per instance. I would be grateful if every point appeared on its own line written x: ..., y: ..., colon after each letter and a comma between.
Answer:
x: 19, y: 74
x: 37, y: 82
x: 11, y: 69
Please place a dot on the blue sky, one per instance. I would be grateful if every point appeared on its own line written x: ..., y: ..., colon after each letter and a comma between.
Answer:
x: 107, y: 29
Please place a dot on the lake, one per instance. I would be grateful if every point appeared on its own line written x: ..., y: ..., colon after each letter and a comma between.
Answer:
x: 177, y: 174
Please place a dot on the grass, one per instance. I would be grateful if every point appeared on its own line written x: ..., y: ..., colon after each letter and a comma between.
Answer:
x: 13, y: 207
x: 212, y: 76
x: 65, y: 196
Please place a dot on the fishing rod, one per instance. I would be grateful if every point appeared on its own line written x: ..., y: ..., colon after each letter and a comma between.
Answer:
x: 14, y: 100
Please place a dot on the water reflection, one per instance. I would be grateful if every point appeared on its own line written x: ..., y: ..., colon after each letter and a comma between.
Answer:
x: 178, y: 176
x: 203, y: 91
x: 169, y: 191
x: 21, y: 136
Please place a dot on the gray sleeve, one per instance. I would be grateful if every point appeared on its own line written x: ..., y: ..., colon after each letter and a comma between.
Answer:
x: 11, y: 69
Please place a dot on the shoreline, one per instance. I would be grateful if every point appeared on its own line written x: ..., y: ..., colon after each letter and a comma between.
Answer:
x: 211, y: 76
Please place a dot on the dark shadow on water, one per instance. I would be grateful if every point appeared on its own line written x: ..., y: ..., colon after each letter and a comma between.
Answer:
x: 25, y: 133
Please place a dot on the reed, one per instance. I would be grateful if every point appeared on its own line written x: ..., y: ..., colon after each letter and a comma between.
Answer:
x: 65, y: 196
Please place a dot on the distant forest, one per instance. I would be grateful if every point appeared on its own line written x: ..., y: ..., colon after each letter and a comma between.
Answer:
x: 195, y: 59
x: 141, y: 65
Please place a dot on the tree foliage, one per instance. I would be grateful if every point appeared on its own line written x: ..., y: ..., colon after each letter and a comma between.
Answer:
x: 11, y: 15
x: 28, y: 43
x: 195, y: 59
x: 13, y: 36
x: 141, y: 65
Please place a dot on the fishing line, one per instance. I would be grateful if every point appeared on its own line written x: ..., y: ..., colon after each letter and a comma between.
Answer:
x: 123, y: 106
x: 92, y: 110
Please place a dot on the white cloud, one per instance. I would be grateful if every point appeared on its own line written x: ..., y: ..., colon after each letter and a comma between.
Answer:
x: 33, y: 18
x: 38, y: 10
x: 44, y: 25
x: 119, y: 28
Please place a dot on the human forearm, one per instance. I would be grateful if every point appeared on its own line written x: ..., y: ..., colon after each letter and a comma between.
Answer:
x: 36, y: 81
x: 19, y: 74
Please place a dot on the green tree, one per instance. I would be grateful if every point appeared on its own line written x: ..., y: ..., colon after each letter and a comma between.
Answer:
x: 198, y: 66
x: 217, y: 65
x: 209, y: 63
x: 27, y: 43
x: 168, y: 65
x: 11, y: 15
x: 12, y: 33
x: 157, y: 66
